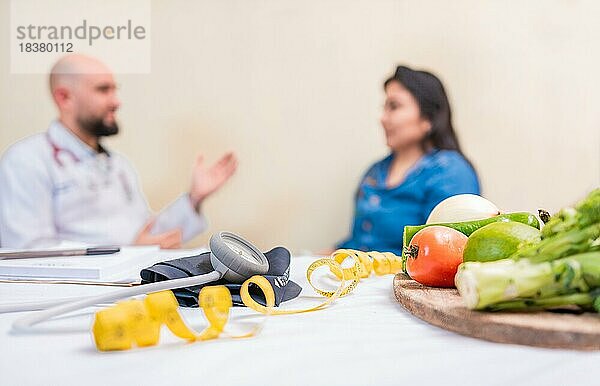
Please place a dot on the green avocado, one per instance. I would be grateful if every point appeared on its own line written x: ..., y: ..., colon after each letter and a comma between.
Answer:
x: 498, y: 240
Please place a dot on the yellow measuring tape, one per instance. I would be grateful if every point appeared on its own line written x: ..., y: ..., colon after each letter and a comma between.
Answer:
x: 138, y: 322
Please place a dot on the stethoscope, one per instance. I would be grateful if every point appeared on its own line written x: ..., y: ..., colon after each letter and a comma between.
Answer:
x: 56, y: 151
x: 232, y: 257
x: 92, y: 185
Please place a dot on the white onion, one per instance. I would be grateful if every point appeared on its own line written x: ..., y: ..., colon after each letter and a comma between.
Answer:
x: 462, y: 207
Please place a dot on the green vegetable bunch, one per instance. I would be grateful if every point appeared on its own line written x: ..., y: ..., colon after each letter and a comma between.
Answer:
x: 585, y: 213
x: 561, y: 269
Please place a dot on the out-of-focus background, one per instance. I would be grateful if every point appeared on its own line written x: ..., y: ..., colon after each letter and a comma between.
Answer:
x: 295, y: 88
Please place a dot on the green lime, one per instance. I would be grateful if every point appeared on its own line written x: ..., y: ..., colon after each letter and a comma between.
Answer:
x: 498, y: 240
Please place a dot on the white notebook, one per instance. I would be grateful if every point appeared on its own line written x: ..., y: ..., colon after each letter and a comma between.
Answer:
x: 121, y: 265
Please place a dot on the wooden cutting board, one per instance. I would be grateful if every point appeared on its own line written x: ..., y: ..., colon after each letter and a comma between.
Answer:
x: 443, y: 308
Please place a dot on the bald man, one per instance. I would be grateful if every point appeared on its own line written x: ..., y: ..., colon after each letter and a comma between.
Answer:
x: 64, y: 185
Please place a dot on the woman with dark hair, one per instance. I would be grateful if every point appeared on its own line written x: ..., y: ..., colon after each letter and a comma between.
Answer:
x: 425, y: 164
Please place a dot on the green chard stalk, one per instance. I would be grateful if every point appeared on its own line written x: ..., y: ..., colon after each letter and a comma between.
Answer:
x: 584, y: 300
x: 525, y: 283
x: 571, y: 231
x: 563, y: 244
x: 585, y: 213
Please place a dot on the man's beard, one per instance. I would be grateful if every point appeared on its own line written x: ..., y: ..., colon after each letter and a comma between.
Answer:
x: 97, y: 127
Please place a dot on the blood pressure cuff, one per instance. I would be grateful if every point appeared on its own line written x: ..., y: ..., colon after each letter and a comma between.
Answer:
x: 278, y: 275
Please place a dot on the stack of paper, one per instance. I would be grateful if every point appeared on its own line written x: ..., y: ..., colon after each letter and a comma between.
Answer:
x: 125, y: 264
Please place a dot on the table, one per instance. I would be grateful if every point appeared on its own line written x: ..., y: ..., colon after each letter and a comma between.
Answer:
x: 366, y: 338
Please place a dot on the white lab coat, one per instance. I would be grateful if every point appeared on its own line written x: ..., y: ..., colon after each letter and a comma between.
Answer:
x: 55, y: 188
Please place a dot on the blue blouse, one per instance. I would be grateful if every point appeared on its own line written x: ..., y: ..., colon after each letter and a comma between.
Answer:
x: 381, y: 213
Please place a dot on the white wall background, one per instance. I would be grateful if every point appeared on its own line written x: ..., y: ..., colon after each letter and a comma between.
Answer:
x: 296, y: 89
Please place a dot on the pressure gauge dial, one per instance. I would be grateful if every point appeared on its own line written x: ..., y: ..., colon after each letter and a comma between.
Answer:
x: 236, y: 258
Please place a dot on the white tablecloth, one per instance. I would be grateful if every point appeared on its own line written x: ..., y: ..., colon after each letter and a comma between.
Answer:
x: 366, y: 338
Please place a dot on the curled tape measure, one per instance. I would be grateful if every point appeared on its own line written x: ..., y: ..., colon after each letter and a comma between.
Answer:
x: 138, y: 322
